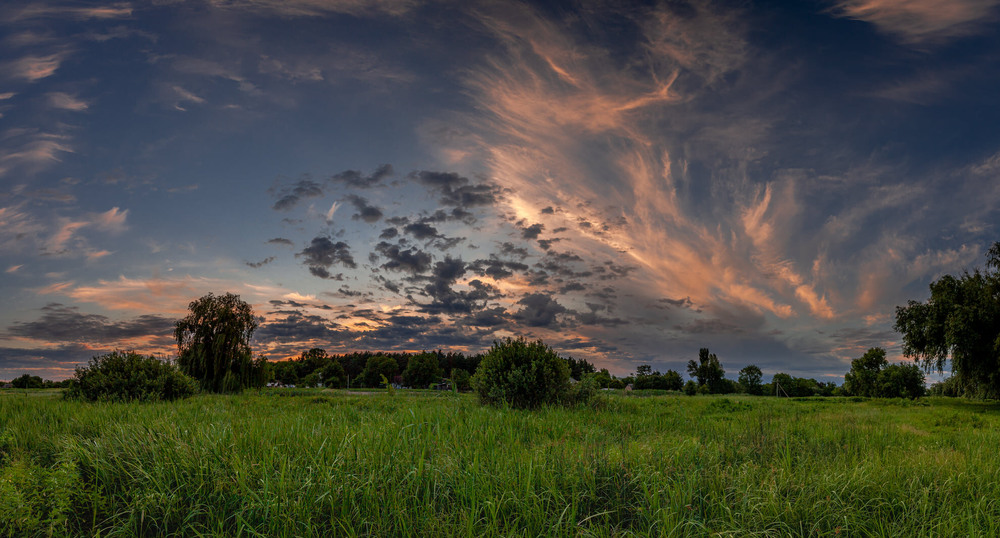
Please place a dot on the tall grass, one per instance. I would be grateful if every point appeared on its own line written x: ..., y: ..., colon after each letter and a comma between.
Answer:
x: 336, y: 464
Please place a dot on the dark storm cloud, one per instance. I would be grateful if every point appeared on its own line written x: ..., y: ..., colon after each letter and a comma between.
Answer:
x: 445, y: 299
x: 410, y: 260
x: 572, y: 286
x: 512, y: 250
x: 323, y: 253
x: 60, y: 323
x: 456, y: 190
x: 496, y: 268
x: 295, y: 325
x: 354, y: 178
x: 546, y: 244
x: 421, y: 231
x: 281, y: 241
x: 54, y: 363
x: 610, y: 270
x: 711, y: 326
x: 290, y: 195
x: 366, y: 212
x: 388, y: 233
x: 539, y: 310
x: 533, y: 231
x: 488, y: 317
x: 685, y: 302
x: 562, y: 264
x: 262, y: 263
x: 594, y: 318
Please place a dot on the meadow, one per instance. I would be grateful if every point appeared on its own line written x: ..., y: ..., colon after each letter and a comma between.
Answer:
x: 336, y: 463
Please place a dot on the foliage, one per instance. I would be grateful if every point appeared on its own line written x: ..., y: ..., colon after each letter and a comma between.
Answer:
x: 333, y: 375
x: 461, y: 379
x: 521, y: 374
x: 128, y: 376
x: 377, y: 368
x: 691, y: 387
x: 213, y: 343
x: 948, y: 387
x: 603, y: 378
x: 578, y: 368
x: 421, y: 371
x: 872, y: 376
x: 750, y: 377
x: 901, y: 381
x: 708, y: 372
x: 862, y: 380
x: 583, y: 391
x: 645, y: 378
x: 960, y: 320
x: 27, y: 381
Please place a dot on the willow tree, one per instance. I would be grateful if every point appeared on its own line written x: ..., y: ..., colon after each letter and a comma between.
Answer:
x: 960, y: 321
x: 213, y: 343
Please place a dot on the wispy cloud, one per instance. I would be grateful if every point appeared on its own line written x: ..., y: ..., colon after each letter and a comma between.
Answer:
x: 919, y: 21
x: 66, y: 101
x: 34, y: 68
x: 314, y: 8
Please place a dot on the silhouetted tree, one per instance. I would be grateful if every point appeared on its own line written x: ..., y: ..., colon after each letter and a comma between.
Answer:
x: 749, y: 379
x: 421, y: 370
x: 213, y: 343
x: 708, y: 371
x: 961, y: 320
x: 862, y: 380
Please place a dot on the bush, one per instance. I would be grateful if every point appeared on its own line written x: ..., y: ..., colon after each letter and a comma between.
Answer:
x: 129, y: 376
x: 521, y: 374
x: 582, y: 391
x: 691, y: 387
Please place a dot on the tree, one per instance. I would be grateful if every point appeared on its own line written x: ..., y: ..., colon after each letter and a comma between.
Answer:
x: 862, y: 380
x: 672, y: 380
x: 422, y: 370
x: 213, y: 343
x: 460, y: 378
x: 376, y: 368
x: 749, y: 379
x: 960, y: 320
x: 28, y: 381
x: 129, y: 376
x: 707, y: 371
x: 333, y: 374
x: 521, y: 374
x: 901, y: 381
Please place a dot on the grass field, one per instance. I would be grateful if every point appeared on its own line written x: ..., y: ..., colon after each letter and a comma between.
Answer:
x: 312, y: 463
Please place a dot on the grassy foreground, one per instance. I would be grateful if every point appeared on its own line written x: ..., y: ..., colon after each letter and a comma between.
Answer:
x: 338, y: 464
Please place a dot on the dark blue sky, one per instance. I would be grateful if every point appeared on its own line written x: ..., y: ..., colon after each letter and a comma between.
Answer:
x: 627, y: 183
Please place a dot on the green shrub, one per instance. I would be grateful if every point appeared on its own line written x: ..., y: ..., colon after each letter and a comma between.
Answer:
x: 521, y: 374
x: 691, y: 387
x: 461, y: 379
x: 583, y: 391
x: 128, y: 376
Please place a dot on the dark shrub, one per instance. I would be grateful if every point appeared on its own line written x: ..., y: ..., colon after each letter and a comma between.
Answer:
x: 128, y: 376
x: 521, y: 374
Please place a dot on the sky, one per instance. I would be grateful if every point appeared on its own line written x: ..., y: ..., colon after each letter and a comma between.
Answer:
x: 628, y: 182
